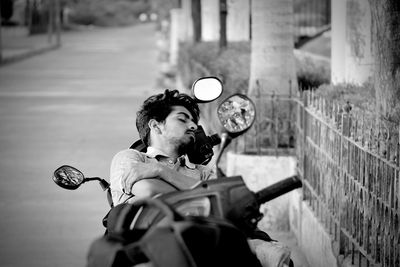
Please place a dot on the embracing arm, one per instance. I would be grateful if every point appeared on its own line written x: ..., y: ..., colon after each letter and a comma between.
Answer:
x: 129, y: 166
x: 144, y: 171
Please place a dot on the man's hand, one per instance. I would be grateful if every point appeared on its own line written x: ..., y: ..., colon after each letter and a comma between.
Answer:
x: 139, y: 171
x: 142, y: 171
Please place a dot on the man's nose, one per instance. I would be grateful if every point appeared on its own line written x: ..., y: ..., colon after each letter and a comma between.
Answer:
x: 193, y: 126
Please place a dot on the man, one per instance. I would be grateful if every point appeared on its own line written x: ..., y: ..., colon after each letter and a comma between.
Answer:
x: 166, y: 124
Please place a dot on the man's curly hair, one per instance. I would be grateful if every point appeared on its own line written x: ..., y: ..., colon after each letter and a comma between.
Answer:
x: 159, y: 106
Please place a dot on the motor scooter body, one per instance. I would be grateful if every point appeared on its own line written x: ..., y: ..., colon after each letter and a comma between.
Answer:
x: 225, y: 198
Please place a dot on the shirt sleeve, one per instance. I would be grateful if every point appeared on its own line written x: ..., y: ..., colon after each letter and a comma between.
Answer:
x: 120, y: 167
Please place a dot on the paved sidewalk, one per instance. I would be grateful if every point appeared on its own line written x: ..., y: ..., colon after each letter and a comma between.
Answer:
x: 289, y: 239
x: 74, y: 105
x: 17, y: 44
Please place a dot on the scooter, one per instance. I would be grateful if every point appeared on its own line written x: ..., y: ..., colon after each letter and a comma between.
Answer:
x: 226, y: 198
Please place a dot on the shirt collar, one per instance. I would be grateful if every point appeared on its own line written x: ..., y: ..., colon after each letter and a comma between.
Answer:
x: 153, y: 152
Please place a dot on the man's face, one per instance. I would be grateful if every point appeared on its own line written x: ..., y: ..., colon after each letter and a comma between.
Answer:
x: 179, y: 128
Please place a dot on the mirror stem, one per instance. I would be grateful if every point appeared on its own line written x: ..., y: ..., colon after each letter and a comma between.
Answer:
x: 103, y: 183
x: 109, y: 198
x: 92, y: 179
x: 225, y: 141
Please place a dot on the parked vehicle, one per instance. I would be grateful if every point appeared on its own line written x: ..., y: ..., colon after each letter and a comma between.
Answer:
x: 216, y: 202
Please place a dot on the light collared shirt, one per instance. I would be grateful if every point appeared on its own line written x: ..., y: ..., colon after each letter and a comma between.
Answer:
x: 121, y: 166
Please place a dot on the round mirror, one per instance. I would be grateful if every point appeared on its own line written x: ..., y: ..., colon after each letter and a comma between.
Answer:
x: 207, y: 89
x: 68, y: 177
x: 237, y: 113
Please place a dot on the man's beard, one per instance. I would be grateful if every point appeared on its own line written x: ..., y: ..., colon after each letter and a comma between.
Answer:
x: 184, y: 147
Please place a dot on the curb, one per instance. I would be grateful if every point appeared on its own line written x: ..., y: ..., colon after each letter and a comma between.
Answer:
x: 25, y: 55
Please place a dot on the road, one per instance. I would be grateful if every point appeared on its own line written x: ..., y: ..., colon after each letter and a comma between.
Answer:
x: 75, y: 105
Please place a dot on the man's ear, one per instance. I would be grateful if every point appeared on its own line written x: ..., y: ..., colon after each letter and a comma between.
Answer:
x: 154, y: 126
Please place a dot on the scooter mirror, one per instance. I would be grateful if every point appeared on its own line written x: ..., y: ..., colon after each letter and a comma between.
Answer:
x: 207, y: 89
x: 236, y: 114
x: 68, y: 177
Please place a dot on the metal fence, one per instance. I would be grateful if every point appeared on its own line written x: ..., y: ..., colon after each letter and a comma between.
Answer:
x: 273, y: 132
x: 350, y: 168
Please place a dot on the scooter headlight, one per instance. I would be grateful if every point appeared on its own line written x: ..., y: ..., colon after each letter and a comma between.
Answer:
x: 200, y: 206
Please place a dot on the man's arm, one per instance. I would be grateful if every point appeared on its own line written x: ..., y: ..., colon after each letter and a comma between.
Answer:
x: 142, y: 171
x: 120, y: 166
x: 128, y: 167
x: 151, y: 187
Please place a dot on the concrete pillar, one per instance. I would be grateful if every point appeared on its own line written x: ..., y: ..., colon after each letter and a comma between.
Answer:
x: 176, y: 35
x: 187, y: 21
x: 210, y: 20
x: 238, y: 20
x: 351, y: 56
x: 338, y: 41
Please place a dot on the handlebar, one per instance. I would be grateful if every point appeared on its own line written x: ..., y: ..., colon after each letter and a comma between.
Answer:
x: 278, y: 189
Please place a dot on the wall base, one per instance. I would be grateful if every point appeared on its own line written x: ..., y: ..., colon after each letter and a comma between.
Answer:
x: 259, y: 172
x: 312, y: 238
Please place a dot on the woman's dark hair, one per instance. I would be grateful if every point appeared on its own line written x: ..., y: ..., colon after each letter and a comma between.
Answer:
x: 159, y: 106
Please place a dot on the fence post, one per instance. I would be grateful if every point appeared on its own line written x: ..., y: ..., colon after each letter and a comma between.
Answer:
x: 304, y: 144
x: 346, y: 126
x: 257, y: 128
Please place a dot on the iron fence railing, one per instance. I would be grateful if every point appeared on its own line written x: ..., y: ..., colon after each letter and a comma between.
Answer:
x: 273, y: 132
x: 351, y: 179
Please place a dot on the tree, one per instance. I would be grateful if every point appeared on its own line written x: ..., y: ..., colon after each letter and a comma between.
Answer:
x: 223, y: 11
x: 386, y: 30
x: 272, y: 68
x: 272, y: 60
x: 196, y: 16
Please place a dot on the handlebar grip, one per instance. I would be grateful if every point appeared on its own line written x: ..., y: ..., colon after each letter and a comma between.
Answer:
x: 277, y: 189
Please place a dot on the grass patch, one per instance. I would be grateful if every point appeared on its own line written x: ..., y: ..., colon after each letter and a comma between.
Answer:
x: 233, y: 65
x: 106, y: 13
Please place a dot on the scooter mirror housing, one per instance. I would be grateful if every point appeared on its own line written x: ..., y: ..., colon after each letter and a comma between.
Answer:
x: 207, y: 89
x: 68, y: 177
x: 237, y: 114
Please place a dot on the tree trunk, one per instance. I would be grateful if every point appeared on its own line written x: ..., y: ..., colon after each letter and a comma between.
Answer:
x: 272, y: 72
x: 386, y: 29
x: 196, y: 16
x: 272, y: 60
x: 223, y: 10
